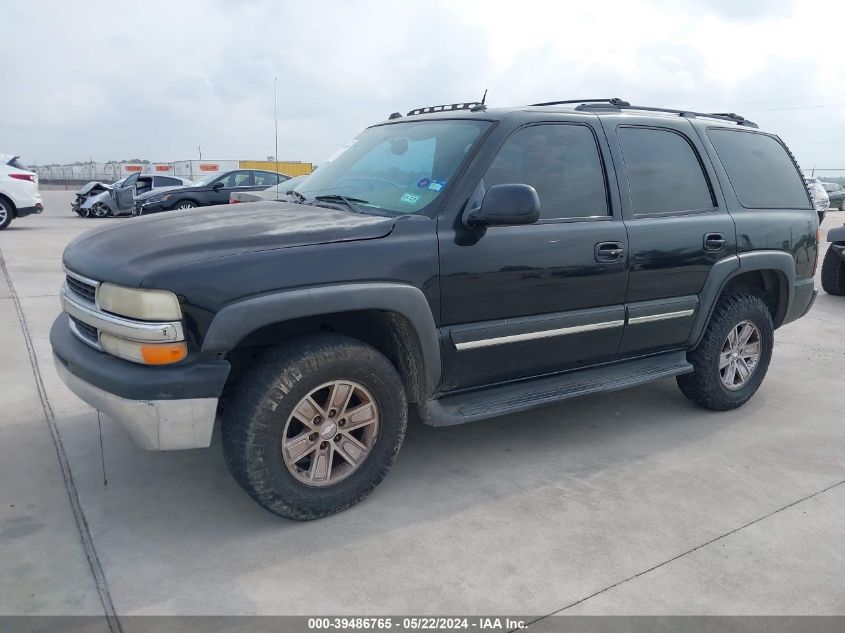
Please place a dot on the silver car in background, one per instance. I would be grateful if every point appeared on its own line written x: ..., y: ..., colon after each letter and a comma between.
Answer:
x: 119, y: 198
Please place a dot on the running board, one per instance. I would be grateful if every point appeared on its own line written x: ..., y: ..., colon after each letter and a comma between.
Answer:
x: 521, y: 396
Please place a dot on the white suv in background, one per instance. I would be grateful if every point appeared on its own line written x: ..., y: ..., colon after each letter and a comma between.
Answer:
x: 18, y: 190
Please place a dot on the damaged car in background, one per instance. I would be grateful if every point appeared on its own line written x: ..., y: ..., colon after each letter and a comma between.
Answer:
x: 99, y: 200
x: 89, y: 190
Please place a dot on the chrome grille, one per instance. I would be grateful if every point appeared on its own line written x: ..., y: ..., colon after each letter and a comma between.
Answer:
x: 81, y: 288
x: 85, y: 331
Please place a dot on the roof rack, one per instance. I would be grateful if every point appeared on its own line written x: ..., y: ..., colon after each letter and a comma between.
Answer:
x: 449, y: 107
x: 620, y: 104
x: 616, y: 101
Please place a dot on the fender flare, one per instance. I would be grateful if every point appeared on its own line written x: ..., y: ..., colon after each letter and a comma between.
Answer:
x: 726, y: 269
x: 236, y: 320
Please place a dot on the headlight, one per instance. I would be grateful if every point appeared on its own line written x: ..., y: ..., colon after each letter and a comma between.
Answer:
x: 147, y: 305
x: 144, y: 353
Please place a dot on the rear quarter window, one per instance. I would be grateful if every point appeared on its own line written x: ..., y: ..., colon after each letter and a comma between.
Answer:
x: 761, y: 171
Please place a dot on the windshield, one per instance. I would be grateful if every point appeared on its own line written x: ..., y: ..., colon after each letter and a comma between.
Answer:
x: 204, y: 180
x: 400, y: 168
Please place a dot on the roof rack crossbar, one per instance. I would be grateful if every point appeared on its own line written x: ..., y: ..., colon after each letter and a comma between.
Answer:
x: 449, y: 107
x: 612, y: 100
x: 734, y: 118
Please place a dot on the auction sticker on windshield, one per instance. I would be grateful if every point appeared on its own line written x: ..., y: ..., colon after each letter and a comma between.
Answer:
x: 409, y: 198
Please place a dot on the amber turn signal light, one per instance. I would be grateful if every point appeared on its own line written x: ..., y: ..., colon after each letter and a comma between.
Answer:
x: 163, y: 354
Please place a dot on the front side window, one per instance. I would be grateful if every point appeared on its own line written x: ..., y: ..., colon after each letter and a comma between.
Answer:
x: 397, y: 168
x: 561, y: 161
x: 236, y: 179
x: 166, y: 181
x: 265, y: 178
x: 664, y: 172
x: 761, y: 172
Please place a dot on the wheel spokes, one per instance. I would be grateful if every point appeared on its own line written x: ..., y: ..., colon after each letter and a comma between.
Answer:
x: 321, y: 464
x: 350, y: 449
x: 750, y: 350
x: 300, y: 446
x: 339, y: 398
x: 360, y: 416
x: 307, y: 411
x: 744, y: 334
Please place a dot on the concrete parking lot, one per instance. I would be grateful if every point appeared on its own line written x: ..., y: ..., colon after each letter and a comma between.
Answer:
x: 634, y: 502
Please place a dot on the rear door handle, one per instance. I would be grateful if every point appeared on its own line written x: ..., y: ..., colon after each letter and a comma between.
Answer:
x: 609, y: 251
x: 714, y: 242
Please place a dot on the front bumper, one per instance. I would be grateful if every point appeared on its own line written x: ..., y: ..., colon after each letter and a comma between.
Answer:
x: 161, y: 408
x: 155, y: 425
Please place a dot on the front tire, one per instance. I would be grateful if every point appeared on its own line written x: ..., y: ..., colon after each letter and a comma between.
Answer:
x: 185, y: 204
x: 99, y: 210
x: 315, y: 424
x: 833, y: 273
x: 733, y: 356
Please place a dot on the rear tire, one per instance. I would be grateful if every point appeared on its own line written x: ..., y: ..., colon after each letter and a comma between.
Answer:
x: 833, y: 273
x: 265, y: 414
x: 6, y: 213
x: 842, y: 205
x: 718, y: 381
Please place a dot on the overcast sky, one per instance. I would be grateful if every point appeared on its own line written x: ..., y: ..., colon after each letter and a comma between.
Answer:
x: 155, y: 80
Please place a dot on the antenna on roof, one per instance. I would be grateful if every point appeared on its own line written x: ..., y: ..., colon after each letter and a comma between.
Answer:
x: 484, y: 98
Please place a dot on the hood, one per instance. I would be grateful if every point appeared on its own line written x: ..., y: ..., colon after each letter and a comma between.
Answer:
x: 158, y: 190
x: 92, y: 185
x: 102, y: 196
x: 128, y: 251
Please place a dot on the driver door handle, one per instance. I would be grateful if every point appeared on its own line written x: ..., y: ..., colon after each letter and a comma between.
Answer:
x: 609, y: 252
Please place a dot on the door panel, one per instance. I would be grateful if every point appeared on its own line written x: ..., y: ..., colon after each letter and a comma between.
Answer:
x: 520, y: 301
x: 523, y: 279
x: 656, y: 324
x: 677, y: 222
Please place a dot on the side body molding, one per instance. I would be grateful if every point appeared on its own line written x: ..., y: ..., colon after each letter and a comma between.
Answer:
x: 237, y: 320
x: 726, y: 269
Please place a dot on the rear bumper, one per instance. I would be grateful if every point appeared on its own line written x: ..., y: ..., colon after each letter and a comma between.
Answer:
x: 24, y: 211
x: 161, y: 408
x: 803, y: 298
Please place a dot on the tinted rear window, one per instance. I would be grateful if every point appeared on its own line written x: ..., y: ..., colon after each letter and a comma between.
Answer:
x: 761, y: 171
x: 664, y: 173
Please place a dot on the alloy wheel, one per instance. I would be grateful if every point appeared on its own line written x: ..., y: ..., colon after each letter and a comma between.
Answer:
x: 330, y: 433
x: 4, y: 214
x: 740, y: 355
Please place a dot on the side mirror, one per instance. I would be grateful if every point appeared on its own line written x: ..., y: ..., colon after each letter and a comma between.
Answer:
x: 217, y: 186
x: 505, y: 205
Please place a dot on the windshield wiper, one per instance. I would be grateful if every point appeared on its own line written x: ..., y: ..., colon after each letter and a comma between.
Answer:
x: 349, y: 202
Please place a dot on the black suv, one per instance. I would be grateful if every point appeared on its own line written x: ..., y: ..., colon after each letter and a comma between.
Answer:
x: 458, y: 262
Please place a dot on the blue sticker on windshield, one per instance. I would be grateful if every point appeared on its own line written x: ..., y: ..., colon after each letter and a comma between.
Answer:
x: 423, y: 183
x: 409, y: 198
